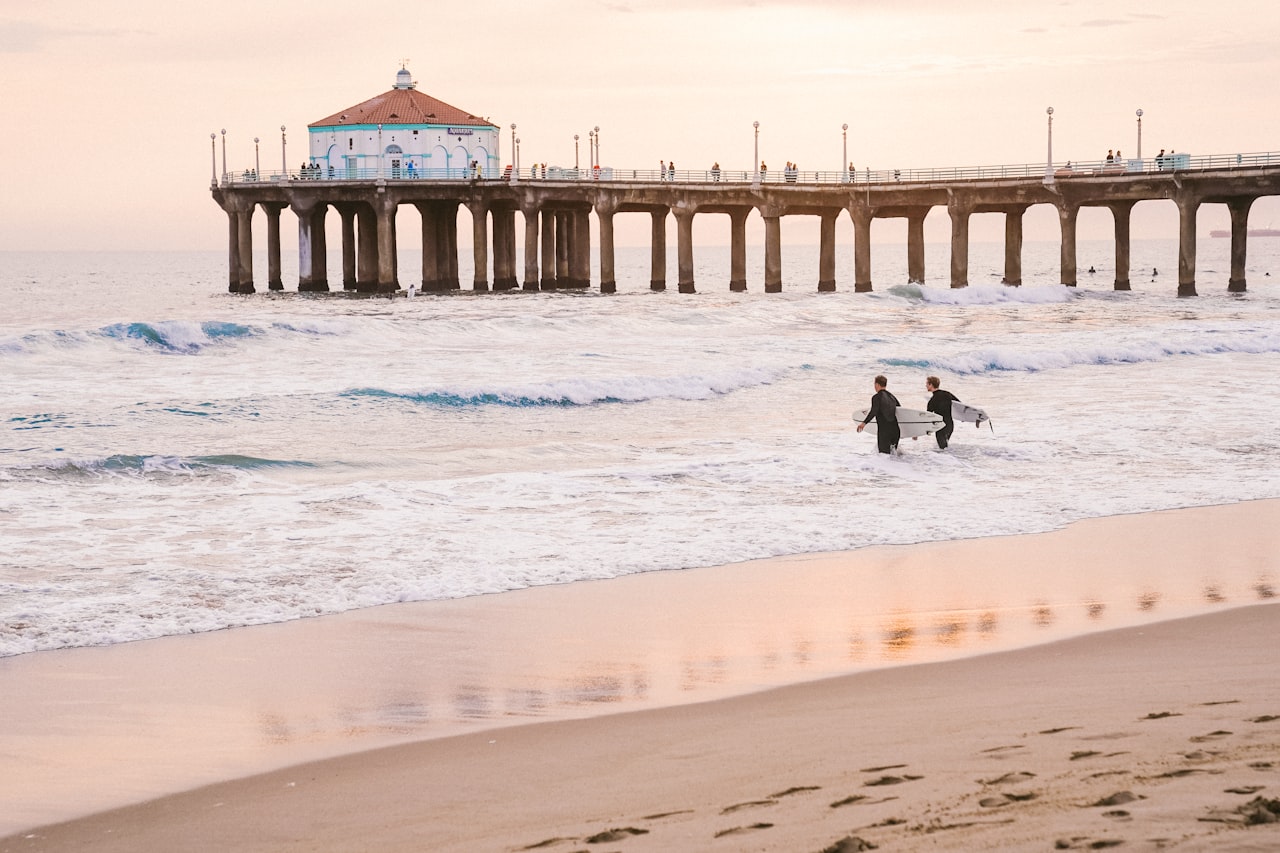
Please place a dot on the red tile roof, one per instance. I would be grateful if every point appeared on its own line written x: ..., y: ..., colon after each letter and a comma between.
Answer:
x: 403, y: 106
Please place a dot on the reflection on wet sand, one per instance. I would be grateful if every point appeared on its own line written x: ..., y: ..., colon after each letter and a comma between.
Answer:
x: 630, y: 669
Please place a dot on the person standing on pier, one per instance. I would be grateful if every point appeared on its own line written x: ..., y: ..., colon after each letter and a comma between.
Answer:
x: 884, y: 408
x: 940, y: 404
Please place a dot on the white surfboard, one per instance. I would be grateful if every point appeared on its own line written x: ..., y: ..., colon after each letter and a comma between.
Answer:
x: 970, y: 414
x: 912, y: 422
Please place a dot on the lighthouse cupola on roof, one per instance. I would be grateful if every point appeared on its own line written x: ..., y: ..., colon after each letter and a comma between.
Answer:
x: 404, y: 80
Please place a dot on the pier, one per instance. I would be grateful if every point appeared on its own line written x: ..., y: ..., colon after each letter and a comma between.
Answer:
x: 556, y: 205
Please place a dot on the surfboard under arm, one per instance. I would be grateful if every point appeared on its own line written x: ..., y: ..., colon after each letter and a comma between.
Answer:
x: 912, y: 422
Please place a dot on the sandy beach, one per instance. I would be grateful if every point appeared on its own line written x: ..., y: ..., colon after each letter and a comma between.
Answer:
x: 1111, y: 683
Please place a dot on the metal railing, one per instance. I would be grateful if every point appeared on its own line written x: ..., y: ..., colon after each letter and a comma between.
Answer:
x: 779, y: 177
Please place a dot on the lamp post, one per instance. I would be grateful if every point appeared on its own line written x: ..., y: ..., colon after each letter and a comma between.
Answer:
x: 844, y: 152
x: 213, y: 159
x: 756, y: 156
x: 257, y: 164
x: 515, y: 165
x: 1139, y: 134
x: 575, y: 152
x: 1048, y: 163
x: 591, y: 149
x: 224, y: 152
x: 284, y: 160
x: 516, y: 170
x: 597, y: 145
x: 379, y: 152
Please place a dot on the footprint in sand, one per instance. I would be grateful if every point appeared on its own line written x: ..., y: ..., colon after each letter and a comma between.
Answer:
x: 848, y: 801
x: 800, y: 789
x: 1246, y: 789
x: 739, y: 830
x: 1186, y: 771
x: 1210, y: 736
x: 615, y: 835
x: 1080, y: 843
x: 1117, y: 814
x: 1119, y: 798
x: 661, y: 815
x: 1265, y: 718
x: 751, y: 805
x: 1057, y: 730
x: 882, y: 769
x: 1004, y: 800
x: 890, y: 780
x: 1086, y: 753
x: 1160, y: 715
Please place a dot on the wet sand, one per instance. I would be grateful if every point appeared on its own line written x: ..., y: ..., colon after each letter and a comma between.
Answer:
x: 940, y: 740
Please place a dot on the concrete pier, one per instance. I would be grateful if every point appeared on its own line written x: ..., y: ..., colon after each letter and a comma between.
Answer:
x: 557, y: 223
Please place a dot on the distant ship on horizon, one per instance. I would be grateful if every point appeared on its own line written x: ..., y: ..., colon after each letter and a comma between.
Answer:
x: 1252, y: 232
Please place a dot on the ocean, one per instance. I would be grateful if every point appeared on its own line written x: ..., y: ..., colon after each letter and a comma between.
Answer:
x: 177, y: 459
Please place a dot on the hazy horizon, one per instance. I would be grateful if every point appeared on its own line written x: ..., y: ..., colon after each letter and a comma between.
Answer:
x: 920, y: 83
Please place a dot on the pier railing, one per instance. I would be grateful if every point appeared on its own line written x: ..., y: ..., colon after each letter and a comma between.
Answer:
x: 867, y: 176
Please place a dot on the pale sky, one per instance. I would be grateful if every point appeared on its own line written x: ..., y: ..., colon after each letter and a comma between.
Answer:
x: 138, y: 86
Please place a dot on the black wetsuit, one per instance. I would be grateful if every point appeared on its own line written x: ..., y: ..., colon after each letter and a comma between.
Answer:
x: 940, y: 404
x: 884, y: 408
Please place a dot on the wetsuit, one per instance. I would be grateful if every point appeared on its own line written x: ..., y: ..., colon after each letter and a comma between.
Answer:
x: 940, y: 404
x: 884, y: 408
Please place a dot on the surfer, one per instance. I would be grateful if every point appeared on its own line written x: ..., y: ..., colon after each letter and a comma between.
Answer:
x: 940, y: 404
x: 884, y: 408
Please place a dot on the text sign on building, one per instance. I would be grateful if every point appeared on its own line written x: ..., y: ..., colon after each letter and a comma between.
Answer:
x: 460, y: 131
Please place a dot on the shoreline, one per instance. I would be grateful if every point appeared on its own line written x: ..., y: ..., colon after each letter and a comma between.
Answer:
x: 173, y: 714
x: 1148, y: 737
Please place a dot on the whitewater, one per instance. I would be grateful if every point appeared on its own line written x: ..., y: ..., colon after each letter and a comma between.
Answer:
x: 177, y: 459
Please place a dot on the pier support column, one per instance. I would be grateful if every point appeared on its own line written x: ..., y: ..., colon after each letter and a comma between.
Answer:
x: 367, y: 253
x: 959, y: 243
x: 447, y: 217
x: 274, y: 282
x: 738, y: 250
x: 548, y: 280
x: 1188, y: 206
x: 530, y: 248
x: 658, y: 250
x: 827, y: 252
x: 915, y: 245
x: 430, y: 248
x: 479, y: 245
x: 773, y: 254
x: 564, y: 239
x: 504, y: 249
x: 1013, y: 246
x: 233, y: 249
x: 1121, y: 212
x: 580, y: 249
x: 608, y: 281
x: 684, y: 249
x: 245, y: 237
x: 1067, y: 251
x: 319, y: 249
x: 388, y: 274
x: 1239, y: 209
x: 348, y: 215
x: 862, y: 250
x: 308, y: 250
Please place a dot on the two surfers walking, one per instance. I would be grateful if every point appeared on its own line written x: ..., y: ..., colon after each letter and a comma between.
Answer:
x: 884, y: 411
